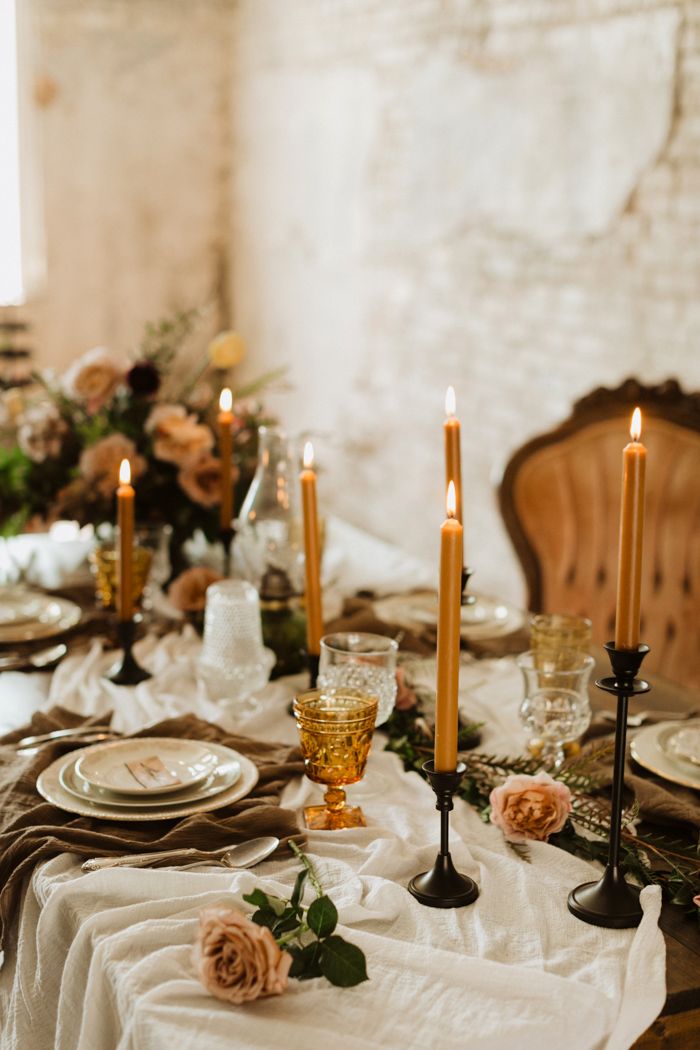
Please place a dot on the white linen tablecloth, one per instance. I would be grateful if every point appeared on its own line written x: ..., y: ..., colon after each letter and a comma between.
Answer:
x: 103, y: 960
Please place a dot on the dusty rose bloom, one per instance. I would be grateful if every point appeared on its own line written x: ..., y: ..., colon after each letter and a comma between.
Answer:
x: 530, y: 807
x: 99, y: 463
x: 93, y: 379
x: 40, y: 434
x: 181, y: 439
x: 201, y: 480
x: 188, y: 592
x: 405, y: 696
x: 163, y: 415
x: 237, y: 960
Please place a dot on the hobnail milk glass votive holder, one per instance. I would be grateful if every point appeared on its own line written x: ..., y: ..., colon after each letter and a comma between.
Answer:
x: 357, y: 660
x: 335, y: 731
x: 234, y: 663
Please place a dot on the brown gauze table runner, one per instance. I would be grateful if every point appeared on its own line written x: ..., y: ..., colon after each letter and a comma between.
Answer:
x: 32, y: 830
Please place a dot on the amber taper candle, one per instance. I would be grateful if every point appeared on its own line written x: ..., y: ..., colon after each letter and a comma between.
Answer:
x: 225, y: 420
x: 453, y: 452
x: 126, y: 497
x: 629, y: 569
x: 448, y: 638
x: 312, y: 554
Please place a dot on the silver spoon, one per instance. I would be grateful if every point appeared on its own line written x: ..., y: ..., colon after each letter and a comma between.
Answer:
x: 243, y: 855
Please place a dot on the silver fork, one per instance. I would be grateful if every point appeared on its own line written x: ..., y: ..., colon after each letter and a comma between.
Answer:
x: 634, y: 721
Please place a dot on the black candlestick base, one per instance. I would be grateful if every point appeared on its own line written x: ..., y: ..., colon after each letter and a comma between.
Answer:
x: 443, y: 886
x: 613, y: 902
x: 610, y: 902
x: 227, y: 537
x: 127, y: 671
x: 467, y: 599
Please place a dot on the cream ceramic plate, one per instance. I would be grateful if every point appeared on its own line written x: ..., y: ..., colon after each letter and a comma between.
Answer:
x: 55, y: 616
x: 486, y: 618
x: 49, y: 787
x: 683, y: 744
x: 20, y: 607
x: 647, y: 749
x: 105, y: 765
x: 225, y: 775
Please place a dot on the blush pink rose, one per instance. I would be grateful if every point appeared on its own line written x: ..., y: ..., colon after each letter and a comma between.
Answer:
x: 188, y: 592
x: 530, y: 807
x: 201, y: 480
x: 99, y: 463
x: 94, y: 378
x: 237, y: 960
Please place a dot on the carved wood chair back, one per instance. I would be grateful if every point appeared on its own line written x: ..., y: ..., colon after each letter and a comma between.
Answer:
x: 560, y: 501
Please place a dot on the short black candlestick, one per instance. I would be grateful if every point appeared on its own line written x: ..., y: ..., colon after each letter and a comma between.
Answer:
x: 227, y: 537
x: 612, y: 901
x: 443, y: 886
x: 467, y: 599
x: 128, y: 672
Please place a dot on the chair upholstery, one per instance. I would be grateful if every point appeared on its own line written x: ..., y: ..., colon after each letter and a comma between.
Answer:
x: 560, y: 500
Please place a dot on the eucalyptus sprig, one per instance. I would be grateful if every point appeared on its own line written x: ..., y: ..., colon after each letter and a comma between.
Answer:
x: 308, y: 936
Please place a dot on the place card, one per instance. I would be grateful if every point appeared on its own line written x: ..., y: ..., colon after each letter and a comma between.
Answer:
x: 150, y: 773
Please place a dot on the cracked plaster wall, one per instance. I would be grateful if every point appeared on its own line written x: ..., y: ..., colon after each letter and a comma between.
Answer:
x: 503, y: 196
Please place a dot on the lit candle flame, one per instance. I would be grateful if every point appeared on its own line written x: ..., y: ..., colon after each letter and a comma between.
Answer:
x: 450, y: 401
x: 225, y: 400
x: 308, y: 456
x: 124, y: 472
x: 636, y: 425
x: 451, y: 500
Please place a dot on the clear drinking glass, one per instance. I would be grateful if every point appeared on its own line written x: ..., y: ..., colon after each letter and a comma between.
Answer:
x: 234, y: 662
x: 356, y: 660
x: 556, y: 709
x: 335, y: 731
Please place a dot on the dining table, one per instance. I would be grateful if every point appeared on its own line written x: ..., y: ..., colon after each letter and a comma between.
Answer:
x: 104, y: 959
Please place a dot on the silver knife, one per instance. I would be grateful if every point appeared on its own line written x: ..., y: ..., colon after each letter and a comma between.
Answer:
x: 243, y: 855
x: 60, y: 734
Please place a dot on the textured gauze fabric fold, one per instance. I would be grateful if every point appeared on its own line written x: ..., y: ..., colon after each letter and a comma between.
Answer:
x: 32, y: 830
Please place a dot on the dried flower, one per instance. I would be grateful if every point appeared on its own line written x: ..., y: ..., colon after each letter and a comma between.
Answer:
x: 188, y: 591
x: 237, y: 960
x: 143, y: 379
x: 530, y: 807
x: 406, y: 698
x: 94, y: 378
x: 99, y: 463
x: 41, y: 432
x: 201, y: 480
x: 226, y: 350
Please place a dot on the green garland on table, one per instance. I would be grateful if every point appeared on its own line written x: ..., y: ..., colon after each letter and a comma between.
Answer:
x: 651, y: 858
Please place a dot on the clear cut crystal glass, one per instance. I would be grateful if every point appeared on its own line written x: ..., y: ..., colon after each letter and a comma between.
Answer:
x: 556, y: 709
x: 366, y: 662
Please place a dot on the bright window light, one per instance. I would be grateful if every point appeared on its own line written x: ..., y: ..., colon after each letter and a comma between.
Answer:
x: 11, y: 285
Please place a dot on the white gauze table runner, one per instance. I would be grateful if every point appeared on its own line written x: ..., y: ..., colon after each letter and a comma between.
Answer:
x: 104, y: 960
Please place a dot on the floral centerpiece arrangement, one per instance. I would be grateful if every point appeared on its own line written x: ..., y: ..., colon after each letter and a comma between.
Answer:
x: 61, y: 446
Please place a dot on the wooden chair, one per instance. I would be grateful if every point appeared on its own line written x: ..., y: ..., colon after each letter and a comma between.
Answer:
x: 560, y: 500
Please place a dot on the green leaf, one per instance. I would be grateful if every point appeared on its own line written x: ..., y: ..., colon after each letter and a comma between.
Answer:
x: 265, y: 918
x: 259, y: 899
x: 341, y: 963
x: 322, y: 916
x: 299, y: 887
x: 306, y: 962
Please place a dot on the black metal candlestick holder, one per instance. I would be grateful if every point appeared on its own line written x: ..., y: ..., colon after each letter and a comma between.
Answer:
x: 443, y: 886
x: 227, y: 537
x: 467, y: 598
x: 612, y: 901
x: 128, y: 672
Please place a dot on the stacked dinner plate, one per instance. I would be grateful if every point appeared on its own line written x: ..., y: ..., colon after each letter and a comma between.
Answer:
x: 150, y: 778
x: 26, y: 616
x: 670, y: 751
x: 485, y: 619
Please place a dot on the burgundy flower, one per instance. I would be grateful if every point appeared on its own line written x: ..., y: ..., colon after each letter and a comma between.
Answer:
x: 143, y: 379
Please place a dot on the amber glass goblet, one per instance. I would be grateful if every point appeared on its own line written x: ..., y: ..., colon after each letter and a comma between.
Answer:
x: 104, y: 565
x: 335, y: 729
